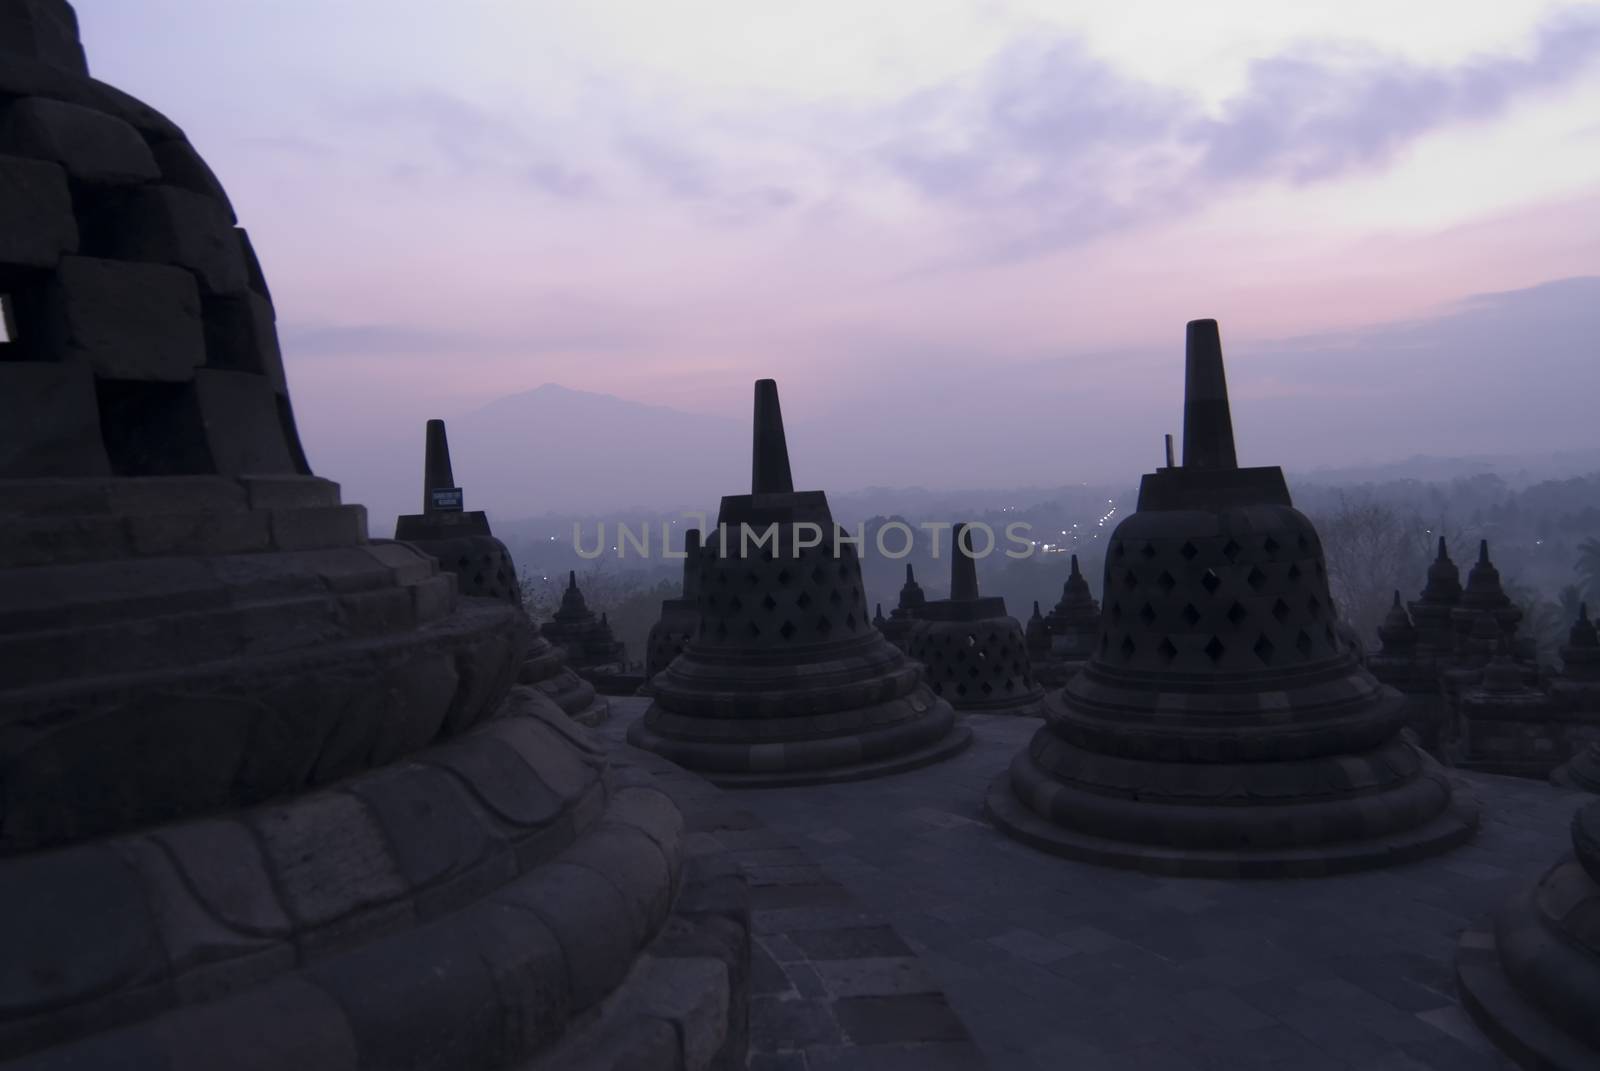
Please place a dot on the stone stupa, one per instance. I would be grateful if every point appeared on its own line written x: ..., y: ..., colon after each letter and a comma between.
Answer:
x: 902, y: 620
x: 786, y: 681
x: 268, y: 795
x: 1074, y: 628
x: 586, y: 639
x: 463, y: 544
x: 975, y: 653
x: 1577, y: 690
x: 1221, y: 728
x: 680, y: 616
x: 1530, y: 979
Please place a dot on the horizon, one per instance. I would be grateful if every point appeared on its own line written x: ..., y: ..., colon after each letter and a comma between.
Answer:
x: 965, y: 242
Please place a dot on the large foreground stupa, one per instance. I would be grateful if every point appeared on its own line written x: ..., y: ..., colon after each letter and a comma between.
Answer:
x: 1221, y: 727
x: 786, y: 680
x: 269, y: 797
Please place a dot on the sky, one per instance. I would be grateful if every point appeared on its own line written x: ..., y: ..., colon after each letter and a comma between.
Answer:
x: 964, y: 235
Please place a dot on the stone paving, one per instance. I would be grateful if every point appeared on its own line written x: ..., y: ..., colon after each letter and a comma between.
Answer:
x: 1060, y: 965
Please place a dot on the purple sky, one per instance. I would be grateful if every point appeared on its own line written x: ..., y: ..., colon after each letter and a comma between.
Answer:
x: 912, y: 212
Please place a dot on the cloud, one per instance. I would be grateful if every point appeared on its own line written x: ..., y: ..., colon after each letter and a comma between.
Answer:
x: 1052, y: 146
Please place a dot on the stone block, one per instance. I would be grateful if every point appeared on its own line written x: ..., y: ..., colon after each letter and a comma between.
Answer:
x: 243, y: 431
x: 93, y: 147
x: 181, y: 166
x: 634, y: 866
x: 529, y: 970
x: 433, y: 828
x: 240, y: 337
x: 499, y: 779
x: 51, y: 420
x: 222, y: 863
x: 126, y: 321
x: 433, y: 598
x: 169, y: 225
x: 554, y: 761
x: 74, y: 924
x: 253, y: 1032
x: 328, y: 857
x: 37, y: 225
x: 43, y: 30
x: 252, y: 264
x: 313, y: 529
x: 587, y: 916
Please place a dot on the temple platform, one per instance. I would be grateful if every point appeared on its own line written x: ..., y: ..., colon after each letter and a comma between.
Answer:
x: 1054, y: 964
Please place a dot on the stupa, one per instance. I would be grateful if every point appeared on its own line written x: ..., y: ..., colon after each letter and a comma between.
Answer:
x: 1037, y: 635
x: 975, y: 653
x: 268, y: 795
x: 902, y: 620
x: 1531, y: 978
x: 679, y: 616
x: 1074, y: 626
x: 1221, y: 728
x: 786, y: 681
x: 586, y: 639
x: 1577, y: 690
x: 463, y: 544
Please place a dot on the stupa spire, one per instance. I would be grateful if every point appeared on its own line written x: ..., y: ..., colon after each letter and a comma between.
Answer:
x: 769, y: 472
x: 963, y: 567
x: 437, y: 474
x: 1207, y: 421
x: 691, y: 563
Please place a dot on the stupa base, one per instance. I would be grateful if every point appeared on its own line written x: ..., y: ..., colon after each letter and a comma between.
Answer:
x: 1516, y: 1026
x: 1452, y: 827
x: 847, y: 768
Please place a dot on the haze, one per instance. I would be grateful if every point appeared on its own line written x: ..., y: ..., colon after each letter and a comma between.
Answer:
x: 964, y: 236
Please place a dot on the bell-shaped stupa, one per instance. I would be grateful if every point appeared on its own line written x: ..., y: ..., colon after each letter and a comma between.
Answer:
x: 786, y: 681
x: 268, y: 794
x: 463, y: 544
x: 902, y: 620
x: 1221, y: 727
x: 975, y: 653
x: 1074, y: 627
x: 585, y: 638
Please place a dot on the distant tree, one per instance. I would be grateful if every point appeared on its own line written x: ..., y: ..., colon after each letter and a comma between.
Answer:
x: 1372, y: 548
x: 1589, y: 567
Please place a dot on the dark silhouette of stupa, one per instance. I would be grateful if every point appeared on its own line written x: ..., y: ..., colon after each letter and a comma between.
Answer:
x: 268, y: 794
x: 786, y: 681
x: 902, y: 620
x: 463, y: 544
x: 975, y: 653
x: 1221, y: 727
x: 587, y: 639
x: 680, y: 616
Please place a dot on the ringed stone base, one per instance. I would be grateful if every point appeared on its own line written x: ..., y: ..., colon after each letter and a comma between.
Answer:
x: 1448, y: 829
x: 807, y: 762
x: 1515, y: 1025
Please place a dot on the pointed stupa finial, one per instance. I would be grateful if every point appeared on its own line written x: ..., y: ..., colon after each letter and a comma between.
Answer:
x: 691, y: 563
x: 911, y: 574
x: 572, y: 580
x: 1483, y: 552
x: 1036, y: 612
x: 1444, y: 554
x: 963, y: 566
x: 436, y: 471
x: 1075, y: 572
x: 1207, y: 421
x: 769, y: 472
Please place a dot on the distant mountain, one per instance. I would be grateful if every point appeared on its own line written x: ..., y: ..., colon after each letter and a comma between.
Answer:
x: 1516, y: 469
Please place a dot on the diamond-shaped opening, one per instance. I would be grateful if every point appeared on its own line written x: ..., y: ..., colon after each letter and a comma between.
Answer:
x: 1314, y: 607
x: 844, y: 570
x: 1118, y: 550
x: 787, y: 630
x: 835, y: 598
x: 735, y: 604
x: 1304, y: 643
x: 803, y: 599
x: 1148, y: 551
x: 1257, y: 579
x: 1215, y: 649
x: 1333, y: 640
x: 1190, y: 615
x: 1147, y: 613
x: 1231, y: 550
x: 1105, y: 644
x: 1294, y: 573
x: 961, y: 689
x: 1302, y: 542
x: 1130, y: 580
x: 1270, y: 545
x: 987, y: 688
x: 770, y: 603
x: 1317, y: 564
x: 754, y: 630
x: 1280, y: 610
x: 817, y: 575
x: 972, y: 672
x: 824, y: 626
x: 850, y: 621
x: 1166, y: 649
x: 1189, y: 550
x: 783, y: 576
x: 752, y: 578
x: 1237, y: 613
x: 1263, y: 648
x: 722, y: 630
x: 1211, y: 582
x: 1167, y: 582
x: 1128, y: 647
